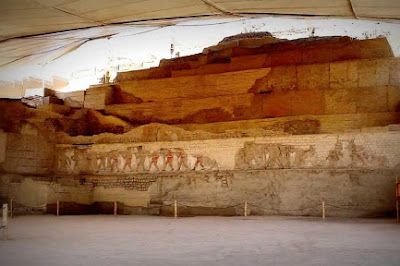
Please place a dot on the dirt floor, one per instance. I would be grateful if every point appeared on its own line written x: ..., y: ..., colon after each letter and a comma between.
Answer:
x: 145, y: 240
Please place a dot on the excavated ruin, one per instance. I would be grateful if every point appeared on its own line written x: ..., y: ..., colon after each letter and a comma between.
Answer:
x: 281, y: 124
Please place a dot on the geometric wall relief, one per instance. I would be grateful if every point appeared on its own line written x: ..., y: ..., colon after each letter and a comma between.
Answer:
x: 142, y: 181
x: 84, y: 160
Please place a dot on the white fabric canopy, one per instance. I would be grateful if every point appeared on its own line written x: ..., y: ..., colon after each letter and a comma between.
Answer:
x: 34, y: 31
x: 30, y: 17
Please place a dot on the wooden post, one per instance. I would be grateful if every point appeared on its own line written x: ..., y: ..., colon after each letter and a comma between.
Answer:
x: 115, y: 208
x: 58, y: 208
x: 397, y: 200
x: 245, y: 208
x: 323, y: 210
x: 107, y: 77
x: 5, y: 221
x: 175, y: 209
x: 11, y: 208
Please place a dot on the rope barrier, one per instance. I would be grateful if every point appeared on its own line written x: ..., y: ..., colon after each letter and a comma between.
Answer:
x: 355, y: 208
x: 343, y: 207
x: 226, y: 207
x: 238, y: 206
x: 158, y: 205
x: 15, y: 204
x: 167, y: 205
x: 330, y: 205
x: 245, y: 207
x: 267, y: 209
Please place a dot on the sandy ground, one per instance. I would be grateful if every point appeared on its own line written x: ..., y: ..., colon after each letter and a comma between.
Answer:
x: 144, y: 240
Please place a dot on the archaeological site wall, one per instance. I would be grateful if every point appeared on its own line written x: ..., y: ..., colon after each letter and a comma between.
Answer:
x: 283, y: 125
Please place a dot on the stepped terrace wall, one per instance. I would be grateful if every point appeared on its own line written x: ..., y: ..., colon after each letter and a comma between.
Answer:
x: 304, y: 121
x: 279, y: 175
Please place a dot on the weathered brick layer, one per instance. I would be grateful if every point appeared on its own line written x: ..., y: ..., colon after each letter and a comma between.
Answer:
x: 347, y: 87
x: 302, y: 51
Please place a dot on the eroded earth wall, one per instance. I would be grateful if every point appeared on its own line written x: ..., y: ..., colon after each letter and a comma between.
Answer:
x: 354, y: 172
x: 283, y: 125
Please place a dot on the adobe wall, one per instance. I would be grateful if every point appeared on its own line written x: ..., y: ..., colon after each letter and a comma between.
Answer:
x: 281, y: 124
x: 344, y: 87
x: 353, y: 150
x: 353, y: 172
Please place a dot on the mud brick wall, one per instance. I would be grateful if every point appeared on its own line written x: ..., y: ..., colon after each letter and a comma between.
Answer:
x: 280, y: 175
x: 281, y: 124
x: 353, y: 193
x: 28, y: 154
x: 292, y: 125
x: 346, y: 87
x: 343, y: 151
x: 98, y: 97
x: 72, y: 99
x: 156, y: 90
x: 36, y: 191
x: 347, y: 192
x: 3, y: 146
x: 262, y: 78
x: 334, y: 75
x: 257, y: 55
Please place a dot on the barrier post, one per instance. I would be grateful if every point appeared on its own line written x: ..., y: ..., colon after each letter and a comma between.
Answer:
x: 397, y: 199
x: 323, y: 210
x: 245, y: 208
x: 5, y: 221
x: 115, y: 208
x: 11, y: 208
x: 58, y: 208
x: 175, y: 209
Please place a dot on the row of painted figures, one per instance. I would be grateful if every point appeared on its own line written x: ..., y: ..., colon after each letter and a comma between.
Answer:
x: 264, y: 156
x: 275, y: 155
x: 133, y: 159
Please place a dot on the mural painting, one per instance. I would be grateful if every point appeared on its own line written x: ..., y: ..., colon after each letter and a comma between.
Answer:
x: 270, y: 156
x: 83, y: 160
